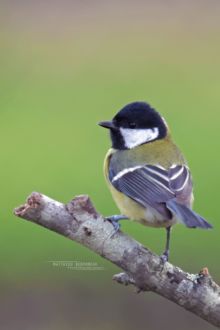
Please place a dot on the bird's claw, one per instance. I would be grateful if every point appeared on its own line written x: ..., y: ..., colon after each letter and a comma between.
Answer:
x: 115, y: 223
x: 165, y: 257
x: 114, y: 219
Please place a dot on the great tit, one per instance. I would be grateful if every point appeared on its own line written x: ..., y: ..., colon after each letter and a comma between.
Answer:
x: 146, y: 172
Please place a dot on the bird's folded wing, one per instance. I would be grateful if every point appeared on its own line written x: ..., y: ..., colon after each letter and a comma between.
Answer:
x: 153, y: 185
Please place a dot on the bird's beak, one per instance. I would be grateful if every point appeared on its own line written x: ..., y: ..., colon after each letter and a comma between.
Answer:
x: 107, y: 124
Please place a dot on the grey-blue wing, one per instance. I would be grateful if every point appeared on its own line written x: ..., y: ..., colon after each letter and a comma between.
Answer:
x: 154, y: 186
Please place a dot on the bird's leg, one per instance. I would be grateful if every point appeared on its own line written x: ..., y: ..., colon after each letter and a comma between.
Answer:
x: 165, y: 255
x: 114, y: 219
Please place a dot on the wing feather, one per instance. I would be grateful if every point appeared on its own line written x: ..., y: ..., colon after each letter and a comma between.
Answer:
x: 154, y: 186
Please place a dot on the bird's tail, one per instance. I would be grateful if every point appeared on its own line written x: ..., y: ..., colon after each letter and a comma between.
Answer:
x: 186, y: 216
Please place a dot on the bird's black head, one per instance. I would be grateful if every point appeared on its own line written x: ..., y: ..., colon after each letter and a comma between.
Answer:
x: 135, y: 124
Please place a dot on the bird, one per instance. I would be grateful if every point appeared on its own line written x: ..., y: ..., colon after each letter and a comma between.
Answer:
x: 147, y: 174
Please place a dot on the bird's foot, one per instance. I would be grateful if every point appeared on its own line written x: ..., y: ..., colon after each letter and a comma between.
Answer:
x: 114, y: 219
x: 165, y: 256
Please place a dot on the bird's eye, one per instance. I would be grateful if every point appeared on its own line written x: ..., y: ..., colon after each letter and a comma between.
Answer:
x: 132, y: 125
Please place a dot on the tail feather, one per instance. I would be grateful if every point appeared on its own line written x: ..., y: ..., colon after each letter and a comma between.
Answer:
x: 186, y: 216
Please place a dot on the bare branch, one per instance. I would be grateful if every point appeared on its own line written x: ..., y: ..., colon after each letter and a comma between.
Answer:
x: 79, y: 221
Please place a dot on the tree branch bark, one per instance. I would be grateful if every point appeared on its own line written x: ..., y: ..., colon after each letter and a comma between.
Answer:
x: 79, y: 221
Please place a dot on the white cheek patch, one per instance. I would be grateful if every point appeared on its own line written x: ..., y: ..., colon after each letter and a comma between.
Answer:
x: 135, y: 137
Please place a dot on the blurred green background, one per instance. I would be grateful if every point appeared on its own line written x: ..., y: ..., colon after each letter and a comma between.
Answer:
x: 64, y: 66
